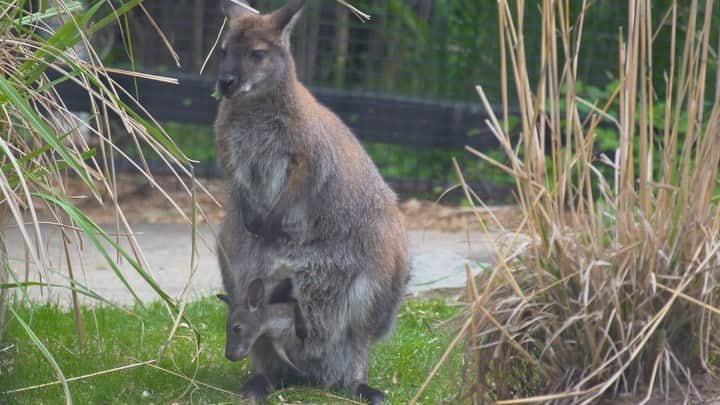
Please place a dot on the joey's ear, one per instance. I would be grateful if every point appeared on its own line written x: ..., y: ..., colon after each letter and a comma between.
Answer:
x: 282, y: 292
x: 284, y: 18
x: 224, y: 298
x: 236, y: 8
x: 255, y: 294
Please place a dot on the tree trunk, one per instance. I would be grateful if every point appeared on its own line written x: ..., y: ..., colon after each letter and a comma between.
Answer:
x: 197, y: 33
x: 312, y: 39
x: 307, y: 51
x: 342, y: 35
x: 424, y: 9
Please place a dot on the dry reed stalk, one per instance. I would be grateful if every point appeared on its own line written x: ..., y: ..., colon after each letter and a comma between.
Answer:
x: 82, y: 377
x: 4, y: 276
x: 614, y: 290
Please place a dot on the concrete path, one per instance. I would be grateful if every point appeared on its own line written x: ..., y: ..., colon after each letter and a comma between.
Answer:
x: 438, y: 261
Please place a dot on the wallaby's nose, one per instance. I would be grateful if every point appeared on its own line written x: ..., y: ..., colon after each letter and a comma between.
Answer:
x: 227, y: 83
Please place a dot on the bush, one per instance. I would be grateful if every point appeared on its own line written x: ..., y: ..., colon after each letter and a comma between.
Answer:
x: 611, y: 285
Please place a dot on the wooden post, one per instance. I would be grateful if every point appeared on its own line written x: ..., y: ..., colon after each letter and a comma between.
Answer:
x: 198, y: 30
x: 342, y: 36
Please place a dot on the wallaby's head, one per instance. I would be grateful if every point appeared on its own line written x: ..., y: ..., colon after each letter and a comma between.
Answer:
x: 255, y: 55
x: 246, y: 321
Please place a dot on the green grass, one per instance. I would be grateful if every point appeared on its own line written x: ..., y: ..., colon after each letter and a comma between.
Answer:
x: 115, y: 338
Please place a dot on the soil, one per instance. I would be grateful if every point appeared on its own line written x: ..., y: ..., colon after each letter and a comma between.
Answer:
x: 142, y: 203
x: 704, y: 386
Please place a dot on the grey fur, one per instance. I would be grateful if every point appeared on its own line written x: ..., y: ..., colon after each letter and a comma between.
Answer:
x: 251, y: 318
x: 298, y: 177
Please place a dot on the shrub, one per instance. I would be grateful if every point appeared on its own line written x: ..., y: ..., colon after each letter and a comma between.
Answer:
x: 611, y: 285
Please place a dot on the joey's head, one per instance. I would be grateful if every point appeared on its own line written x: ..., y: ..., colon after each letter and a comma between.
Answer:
x: 255, y: 55
x: 245, y: 322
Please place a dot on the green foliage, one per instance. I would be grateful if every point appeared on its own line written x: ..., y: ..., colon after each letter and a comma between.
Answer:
x: 607, y: 135
x: 442, y: 48
x: 119, y: 338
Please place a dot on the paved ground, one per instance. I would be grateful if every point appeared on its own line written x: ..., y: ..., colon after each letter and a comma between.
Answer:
x: 438, y: 261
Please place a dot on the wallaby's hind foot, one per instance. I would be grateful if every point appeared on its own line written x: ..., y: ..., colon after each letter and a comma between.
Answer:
x: 370, y: 394
x: 257, y: 387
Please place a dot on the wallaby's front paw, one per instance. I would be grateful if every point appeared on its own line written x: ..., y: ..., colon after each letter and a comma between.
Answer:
x: 253, y: 223
x: 256, y: 388
x: 370, y: 394
x: 301, y: 330
x: 271, y: 229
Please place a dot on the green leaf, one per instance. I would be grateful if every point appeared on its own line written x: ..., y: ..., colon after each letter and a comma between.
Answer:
x: 50, y: 12
x: 37, y: 173
x: 44, y: 130
x: 64, y: 37
x: 96, y: 235
x: 159, y: 136
x: 112, y: 17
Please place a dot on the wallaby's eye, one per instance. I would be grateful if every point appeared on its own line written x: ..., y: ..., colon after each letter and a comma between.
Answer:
x: 237, y: 329
x: 223, y: 52
x: 258, y: 54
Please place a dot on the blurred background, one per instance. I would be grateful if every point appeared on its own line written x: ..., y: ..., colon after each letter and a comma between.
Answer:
x: 404, y: 81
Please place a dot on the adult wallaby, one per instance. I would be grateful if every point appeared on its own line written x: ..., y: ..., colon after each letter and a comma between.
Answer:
x: 255, y: 315
x: 303, y: 194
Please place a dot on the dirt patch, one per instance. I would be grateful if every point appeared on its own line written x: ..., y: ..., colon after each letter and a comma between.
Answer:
x: 430, y: 215
x: 142, y: 202
x: 703, y: 386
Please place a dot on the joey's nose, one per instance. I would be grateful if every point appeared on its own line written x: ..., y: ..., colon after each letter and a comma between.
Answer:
x: 227, y: 84
x: 234, y: 354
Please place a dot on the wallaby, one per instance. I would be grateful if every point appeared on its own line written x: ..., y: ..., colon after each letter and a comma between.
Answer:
x: 257, y: 316
x: 303, y: 194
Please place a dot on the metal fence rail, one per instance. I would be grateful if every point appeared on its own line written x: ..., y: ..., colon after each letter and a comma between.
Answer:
x: 386, y: 119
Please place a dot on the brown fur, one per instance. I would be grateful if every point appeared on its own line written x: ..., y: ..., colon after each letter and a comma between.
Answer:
x: 305, y: 196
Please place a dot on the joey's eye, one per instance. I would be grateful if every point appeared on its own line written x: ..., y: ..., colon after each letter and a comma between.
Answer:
x: 237, y: 329
x: 258, y: 54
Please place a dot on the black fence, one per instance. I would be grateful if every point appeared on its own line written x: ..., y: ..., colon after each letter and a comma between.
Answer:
x: 376, y: 119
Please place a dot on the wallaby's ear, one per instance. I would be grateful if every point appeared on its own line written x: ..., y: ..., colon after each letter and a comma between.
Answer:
x: 284, y: 19
x: 224, y: 298
x: 236, y: 8
x: 255, y: 294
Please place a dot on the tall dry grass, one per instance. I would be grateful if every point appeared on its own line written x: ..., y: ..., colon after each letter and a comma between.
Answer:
x: 611, y: 286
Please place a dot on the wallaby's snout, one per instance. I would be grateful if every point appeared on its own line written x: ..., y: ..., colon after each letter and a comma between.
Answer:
x: 237, y: 347
x: 227, y: 84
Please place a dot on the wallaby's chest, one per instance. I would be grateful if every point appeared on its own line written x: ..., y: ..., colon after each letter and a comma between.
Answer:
x: 256, y: 156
